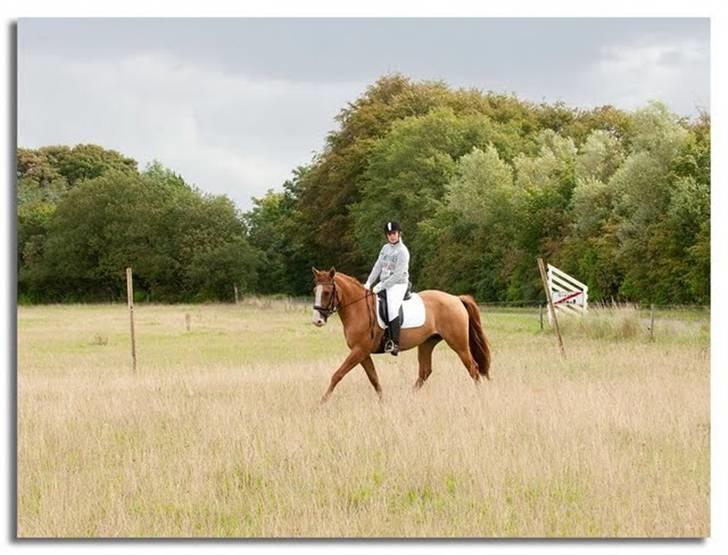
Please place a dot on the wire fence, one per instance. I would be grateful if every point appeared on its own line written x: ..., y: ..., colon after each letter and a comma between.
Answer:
x: 600, y: 305
x: 512, y: 304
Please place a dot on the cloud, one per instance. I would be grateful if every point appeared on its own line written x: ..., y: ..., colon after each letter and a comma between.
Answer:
x: 223, y: 131
x: 654, y: 68
x: 234, y: 106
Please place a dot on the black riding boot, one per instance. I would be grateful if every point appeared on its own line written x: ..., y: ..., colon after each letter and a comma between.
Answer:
x: 392, y: 346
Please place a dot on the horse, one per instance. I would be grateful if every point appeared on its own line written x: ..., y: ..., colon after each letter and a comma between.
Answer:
x: 456, y: 319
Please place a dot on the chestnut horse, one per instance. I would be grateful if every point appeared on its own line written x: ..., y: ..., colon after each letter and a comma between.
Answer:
x: 454, y: 319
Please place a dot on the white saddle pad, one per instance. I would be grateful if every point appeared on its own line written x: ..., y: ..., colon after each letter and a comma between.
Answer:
x: 414, y: 312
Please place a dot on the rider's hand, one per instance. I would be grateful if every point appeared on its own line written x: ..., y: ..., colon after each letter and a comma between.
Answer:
x: 377, y: 288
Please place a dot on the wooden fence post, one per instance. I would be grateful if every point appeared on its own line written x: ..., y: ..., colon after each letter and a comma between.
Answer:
x: 542, y: 270
x: 235, y: 286
x: 540, y: 315
x: 652, y: 322
x: 188, y: 319
x: 130, y: 302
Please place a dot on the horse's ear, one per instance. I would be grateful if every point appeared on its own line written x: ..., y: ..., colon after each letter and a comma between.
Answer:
x: 332, y: 272
x: 314, y: 270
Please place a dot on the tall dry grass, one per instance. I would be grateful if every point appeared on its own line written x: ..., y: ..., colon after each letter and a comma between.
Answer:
x: 220, y: 433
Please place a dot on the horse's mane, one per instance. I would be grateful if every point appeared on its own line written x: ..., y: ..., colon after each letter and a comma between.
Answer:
x: 350, y: 278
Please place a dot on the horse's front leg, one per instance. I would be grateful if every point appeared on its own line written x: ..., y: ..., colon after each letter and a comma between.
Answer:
x: 356, y: 356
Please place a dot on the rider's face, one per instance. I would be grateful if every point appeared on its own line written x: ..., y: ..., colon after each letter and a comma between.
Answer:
x: 393, y: 236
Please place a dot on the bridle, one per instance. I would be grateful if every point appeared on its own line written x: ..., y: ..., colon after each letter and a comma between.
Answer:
x: 335, y: 305
x: 326, y: 311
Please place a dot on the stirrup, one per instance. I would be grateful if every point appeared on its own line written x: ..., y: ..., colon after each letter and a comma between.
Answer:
x: 391, y: 347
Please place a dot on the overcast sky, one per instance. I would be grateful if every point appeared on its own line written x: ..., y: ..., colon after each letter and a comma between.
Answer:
x: 234, y: 105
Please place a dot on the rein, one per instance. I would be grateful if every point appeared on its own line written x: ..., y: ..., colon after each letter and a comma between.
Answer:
x: 334, y: 307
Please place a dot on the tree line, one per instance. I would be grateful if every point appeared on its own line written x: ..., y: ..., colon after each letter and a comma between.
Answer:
x: 482, y: 184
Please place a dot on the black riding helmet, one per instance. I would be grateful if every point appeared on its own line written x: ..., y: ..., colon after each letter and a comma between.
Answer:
x: 392, y: 226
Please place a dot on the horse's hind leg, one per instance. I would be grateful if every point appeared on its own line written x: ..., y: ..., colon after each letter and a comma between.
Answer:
x: 424, y: 357
x: 460, y: 345
x: 470, y: 364
x: 368, y: 365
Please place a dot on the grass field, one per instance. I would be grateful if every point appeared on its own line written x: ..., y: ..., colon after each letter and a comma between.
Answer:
x: 220, y: 432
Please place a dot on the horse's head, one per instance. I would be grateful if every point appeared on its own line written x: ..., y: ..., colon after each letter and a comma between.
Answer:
x: 326, y: 298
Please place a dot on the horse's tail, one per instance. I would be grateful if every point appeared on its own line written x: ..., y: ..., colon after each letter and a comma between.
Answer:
x: 479, y: 349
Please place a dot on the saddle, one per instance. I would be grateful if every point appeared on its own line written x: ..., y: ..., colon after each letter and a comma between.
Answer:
x: 411, y: 314
x: 383, y: 310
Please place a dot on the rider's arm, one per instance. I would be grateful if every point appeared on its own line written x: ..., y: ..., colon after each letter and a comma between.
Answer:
x: 374, y: 275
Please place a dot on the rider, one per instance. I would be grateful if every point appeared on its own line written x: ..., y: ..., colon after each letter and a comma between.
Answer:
x: 392, y: 267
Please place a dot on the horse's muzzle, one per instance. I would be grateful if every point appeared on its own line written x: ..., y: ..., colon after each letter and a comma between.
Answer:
x: 319, y: 320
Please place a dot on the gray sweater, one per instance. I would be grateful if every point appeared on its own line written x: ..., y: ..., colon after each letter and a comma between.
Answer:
x: 392, y: 265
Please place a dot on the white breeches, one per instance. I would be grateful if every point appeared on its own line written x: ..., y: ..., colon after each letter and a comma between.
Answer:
x: 395, y: 296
